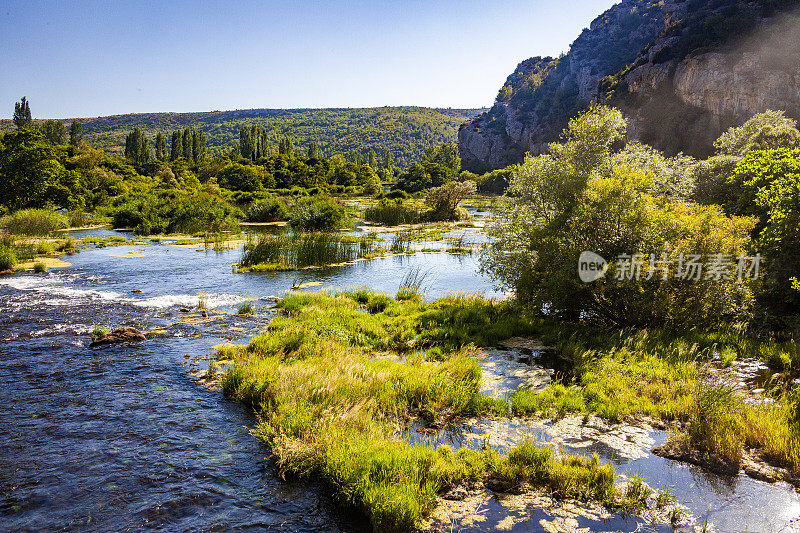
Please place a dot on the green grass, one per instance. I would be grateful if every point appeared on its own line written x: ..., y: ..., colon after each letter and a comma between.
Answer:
x: 98, y: 332
x: 330, y: 409
x: 34, y: 222
x: 392, y: 214
x: 273, y: 252
x: 246, y: 309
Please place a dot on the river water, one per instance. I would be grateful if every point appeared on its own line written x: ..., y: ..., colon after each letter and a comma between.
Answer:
x: 122, y: 437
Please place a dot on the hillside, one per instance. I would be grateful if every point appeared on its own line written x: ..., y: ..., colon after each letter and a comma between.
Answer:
x: 681, y: 70
x: 406, y: 131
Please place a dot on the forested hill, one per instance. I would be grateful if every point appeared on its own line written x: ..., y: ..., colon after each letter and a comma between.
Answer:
x: 406, y: 131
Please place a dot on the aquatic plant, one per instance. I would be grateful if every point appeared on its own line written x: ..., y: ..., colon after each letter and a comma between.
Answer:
x: 304, y: 250
x: 246, y: 309
x: 411, y: 286
x: 98, y: 332
x: 329, y: 408
x: 34, y: 222
x: 391, y: 213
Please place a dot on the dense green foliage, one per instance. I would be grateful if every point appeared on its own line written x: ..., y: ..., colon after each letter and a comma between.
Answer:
x: 319, y: 214
x: 581, y: 197
x: 404, y: 131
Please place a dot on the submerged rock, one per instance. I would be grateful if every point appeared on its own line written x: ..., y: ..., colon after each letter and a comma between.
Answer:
x: 119, y: 335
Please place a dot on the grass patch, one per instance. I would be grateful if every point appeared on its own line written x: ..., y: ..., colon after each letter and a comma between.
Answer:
x: 330, y: 409
x: 246, y: 309
x: 392, y: 213
x: 34, y: 222
x: 303, y: 250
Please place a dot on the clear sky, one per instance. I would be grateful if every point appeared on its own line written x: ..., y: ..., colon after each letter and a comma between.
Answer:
x: 91, y: 58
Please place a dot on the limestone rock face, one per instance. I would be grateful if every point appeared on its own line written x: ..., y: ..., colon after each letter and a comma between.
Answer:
x: 543, y: 93
x: 682, y: 71
x: 684, y: 103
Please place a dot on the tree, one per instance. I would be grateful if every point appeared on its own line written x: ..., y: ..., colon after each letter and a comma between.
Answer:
x: 285, y: 146
x: 314, y: 151
x: 372, y: 159
x: 387, y: 158
x: 176, y: 146
x: 186, y: 141
x: 161, y: 147
x: 770, y: 180
x: 136, y: 147
x: 575, y: 199
x: 75, y: 133
x: 29, y: 168
x: 22, y: 114
x: 54, y: 131
x: 765, y: 131
x: 444, y: 200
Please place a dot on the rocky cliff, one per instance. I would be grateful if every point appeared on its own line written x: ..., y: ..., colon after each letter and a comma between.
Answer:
x: 716, y: 65
x: 682, y: 71
x: 542, y: 94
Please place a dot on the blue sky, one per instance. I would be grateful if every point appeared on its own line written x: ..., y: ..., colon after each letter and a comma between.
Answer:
x: 107, y: 57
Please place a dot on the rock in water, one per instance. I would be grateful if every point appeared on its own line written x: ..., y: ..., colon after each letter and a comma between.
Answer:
x: 119, y: 335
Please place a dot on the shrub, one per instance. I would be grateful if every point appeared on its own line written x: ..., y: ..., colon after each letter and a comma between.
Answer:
x: 39, y: 267
x: 319, y: 213
x: 268, y: 210
x: 575, y: 199
x: 391, y: 213
x: 8, y: 257
x: 34, y: 222
x: 444, y: 200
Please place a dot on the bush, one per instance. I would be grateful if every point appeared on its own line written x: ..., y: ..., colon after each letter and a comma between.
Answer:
x: 391, y: 213
x: 34, y: 222
x: 319, y: 213
x: 8, y: 257
x: 574, y: 199
x: 444, y: 200
x: 39, y: 268
x: 268, y: 210
x: 765, y: 131
x: 175, y: 211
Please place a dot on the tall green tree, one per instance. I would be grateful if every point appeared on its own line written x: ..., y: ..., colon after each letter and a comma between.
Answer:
x: 285, y: 146
x: 176, y: 148
x: 136, y: 147
x: 247, y: 145
x: 29, y: 168
x: 387, y: 158
x: 75, y: 133
x: 54, y: 131
x: 22, y: 114
x: 187, y: 144
x: 314, y: 151
x: 372, y: 159
x: 161, y: 147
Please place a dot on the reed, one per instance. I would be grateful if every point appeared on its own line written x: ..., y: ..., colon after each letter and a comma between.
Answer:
x: 305, y: 250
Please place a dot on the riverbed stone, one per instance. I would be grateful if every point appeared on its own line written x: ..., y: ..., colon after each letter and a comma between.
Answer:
x: 120, y: 335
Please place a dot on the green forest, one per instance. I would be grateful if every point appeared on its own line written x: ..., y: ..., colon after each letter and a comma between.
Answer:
x: 406, y: 131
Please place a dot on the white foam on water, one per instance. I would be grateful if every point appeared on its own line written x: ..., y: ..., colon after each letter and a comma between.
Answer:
x: 213, y: 300
x: 60, y: 293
